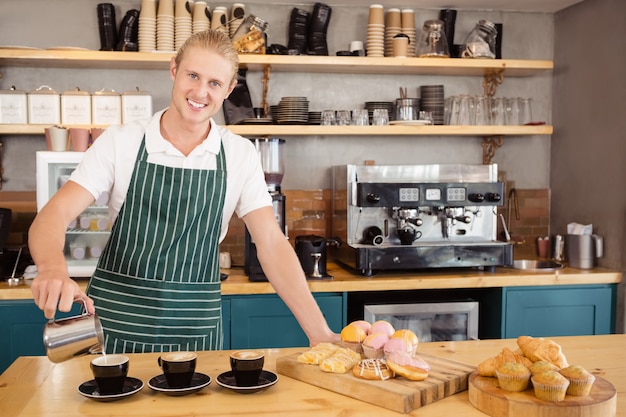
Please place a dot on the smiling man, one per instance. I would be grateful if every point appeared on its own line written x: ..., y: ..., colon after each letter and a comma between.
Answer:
x: 174, y: 180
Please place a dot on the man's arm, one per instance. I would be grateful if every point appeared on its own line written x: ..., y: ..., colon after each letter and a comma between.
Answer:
x: 283, y: 270
x: 46, y: 239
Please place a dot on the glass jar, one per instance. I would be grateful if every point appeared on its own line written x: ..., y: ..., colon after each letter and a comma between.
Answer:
x: 432, y: 41
x: 481, y: 41
x: 250, y: 37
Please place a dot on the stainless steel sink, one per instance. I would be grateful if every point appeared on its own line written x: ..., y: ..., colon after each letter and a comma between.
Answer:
x: 535, y: 265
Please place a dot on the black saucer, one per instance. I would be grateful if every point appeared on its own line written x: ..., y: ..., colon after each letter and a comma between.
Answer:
x: 227, y: 380
x: 198, y: 381
x: 89, y: 389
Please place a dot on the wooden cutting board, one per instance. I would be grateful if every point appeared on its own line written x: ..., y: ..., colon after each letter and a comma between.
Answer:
x: 486, y: 395
x: 398, y: 394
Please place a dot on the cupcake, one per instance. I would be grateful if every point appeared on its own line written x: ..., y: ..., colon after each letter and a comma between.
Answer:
x: 409, y: 336
x: 373, y: 345
x: 382, y: 326
x: 550, y: 386
x: 541, y: 367
x: 580, y: 380
x: 513, y: 376
x: 352, y: 336
x: 397, y: 345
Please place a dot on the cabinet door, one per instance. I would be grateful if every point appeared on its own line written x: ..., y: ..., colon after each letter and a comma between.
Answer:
x: 21, y: 330
x: 264, y: 321
x: 559, y: 311
x: 226, y: 322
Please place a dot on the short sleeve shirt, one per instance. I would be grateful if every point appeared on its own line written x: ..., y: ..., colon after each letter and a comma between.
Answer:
x: 108, y: 164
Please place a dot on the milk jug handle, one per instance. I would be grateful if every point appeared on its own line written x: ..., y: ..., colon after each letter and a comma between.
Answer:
x: 84, y: 312
x: 599, y: 242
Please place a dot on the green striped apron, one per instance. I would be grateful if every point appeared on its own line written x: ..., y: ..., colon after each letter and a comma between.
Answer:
x: 156, y: 286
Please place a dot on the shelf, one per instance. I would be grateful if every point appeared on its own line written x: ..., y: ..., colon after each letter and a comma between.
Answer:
x: 314, y: 130
x: 284, y: 63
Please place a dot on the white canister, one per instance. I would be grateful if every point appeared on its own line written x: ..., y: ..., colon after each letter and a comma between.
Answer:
x: 106, y: 108
x: 13, y: 107
x: 136, y: 105
x: 76, y: 107
x: 44, y: 106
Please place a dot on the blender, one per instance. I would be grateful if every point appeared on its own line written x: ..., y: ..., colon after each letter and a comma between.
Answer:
x: 271, y: 156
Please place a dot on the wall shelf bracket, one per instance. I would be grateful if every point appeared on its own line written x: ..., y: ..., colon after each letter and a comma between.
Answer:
x: 490, y: 145
x: 267, y: 69
x: 491, y: 80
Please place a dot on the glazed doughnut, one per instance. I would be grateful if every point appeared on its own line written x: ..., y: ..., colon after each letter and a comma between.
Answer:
x: 374, y: 369
x: 410, y: 367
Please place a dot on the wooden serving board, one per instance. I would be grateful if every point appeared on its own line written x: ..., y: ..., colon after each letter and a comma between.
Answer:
x: 486, y: 395
x: 398, y: 394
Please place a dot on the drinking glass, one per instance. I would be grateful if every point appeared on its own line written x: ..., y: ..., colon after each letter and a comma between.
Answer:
x: 360, y: 117
x: 427, y: 116
x: 328, y: 118
x: 380, y: 117
x: 512, y: 111
x: 525, y: 111
x: 481, y: 110
x: 498, y: 110
x: 343, y: 118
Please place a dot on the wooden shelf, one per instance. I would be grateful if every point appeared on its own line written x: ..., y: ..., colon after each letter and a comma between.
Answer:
x: 283, y: 63
x: 314, y: 130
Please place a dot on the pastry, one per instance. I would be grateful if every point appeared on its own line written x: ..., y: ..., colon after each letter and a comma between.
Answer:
x: 542, y: 366
x: 382, y: 326
x: 318, y: 353
x: 365, y: 325
x: 513, y: 376
x: 550, y: 386
x: 397, y: 344
x: 489, y: 366
x: 409, y: 336
x: 341, y: 361
x: 374, y: 369
x: 580, y: 380
x: 352, y: 335
x: 538, y: 349
x: 410, y: 367
x: 373, y: 345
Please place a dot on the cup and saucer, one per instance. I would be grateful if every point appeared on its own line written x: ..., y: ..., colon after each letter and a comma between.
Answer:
x: 179, y: 377
x: 111, y: 381
x: 247, y: 374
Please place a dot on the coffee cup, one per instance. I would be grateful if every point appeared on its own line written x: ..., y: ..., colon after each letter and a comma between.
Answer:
x: 400, y: 45
x: 79, y: 139
x: 110, y: 372
x: 247, y: 366
x: 178, y: 368
x: 57, y: 137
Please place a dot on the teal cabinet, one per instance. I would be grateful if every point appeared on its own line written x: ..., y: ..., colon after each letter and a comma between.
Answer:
x: 558, y: 311
x: 21, y: 330
x: 264, y: 321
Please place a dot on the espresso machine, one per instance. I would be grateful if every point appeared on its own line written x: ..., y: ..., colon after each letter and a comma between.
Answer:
x: 270, y: 153
x: 412, y: 217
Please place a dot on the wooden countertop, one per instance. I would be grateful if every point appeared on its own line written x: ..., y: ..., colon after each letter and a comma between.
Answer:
x: 346, y: 280
x: 35, y: 387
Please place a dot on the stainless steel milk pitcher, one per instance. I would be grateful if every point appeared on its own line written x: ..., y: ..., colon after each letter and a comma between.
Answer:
x: 73, y: 336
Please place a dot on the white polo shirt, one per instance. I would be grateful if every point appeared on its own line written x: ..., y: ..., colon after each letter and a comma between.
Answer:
x: 108, y: 164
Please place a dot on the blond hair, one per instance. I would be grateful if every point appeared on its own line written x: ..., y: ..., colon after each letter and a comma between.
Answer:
x: 213, y: 40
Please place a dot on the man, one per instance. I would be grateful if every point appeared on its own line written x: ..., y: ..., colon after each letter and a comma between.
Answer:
x: 174, y: 181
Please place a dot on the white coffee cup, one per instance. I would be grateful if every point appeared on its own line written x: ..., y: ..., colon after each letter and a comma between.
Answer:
x: 58, y: 138
x: 225, y: 260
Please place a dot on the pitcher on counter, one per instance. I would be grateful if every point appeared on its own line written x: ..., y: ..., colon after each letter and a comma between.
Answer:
x: 175, y: 181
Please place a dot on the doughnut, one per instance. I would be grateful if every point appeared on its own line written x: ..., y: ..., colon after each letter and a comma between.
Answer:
x: 373, y: 369
x: 410, y: 367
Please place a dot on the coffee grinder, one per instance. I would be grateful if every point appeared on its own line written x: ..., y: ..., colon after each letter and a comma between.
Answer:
x: 271, y: 155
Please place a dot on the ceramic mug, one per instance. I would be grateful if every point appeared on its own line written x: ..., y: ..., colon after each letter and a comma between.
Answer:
x: 247, y: 365
x: 56, y: 137
x: 79, y: 139
x: 178, y: 368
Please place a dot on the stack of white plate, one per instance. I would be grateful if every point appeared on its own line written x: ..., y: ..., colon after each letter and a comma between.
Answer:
x: 237, y: 15
x: 200, y: 17
x: 147, y: 26
x: 432, y: 100
x: 407, y: 17
x: 293, y: 111
x: 165, y: 26
x: 376, y: 31
x: 393, y: 26
x: 182, y: 22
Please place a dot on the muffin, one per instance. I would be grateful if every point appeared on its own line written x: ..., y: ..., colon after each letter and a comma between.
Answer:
x: 382, y: 326
x: 513, y: 376
x: 550, y: 386
x: 580, y: 380
x: 541, y: 367
x: 352, y: 335
x: 373, y: 345
x: 409, y: 336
